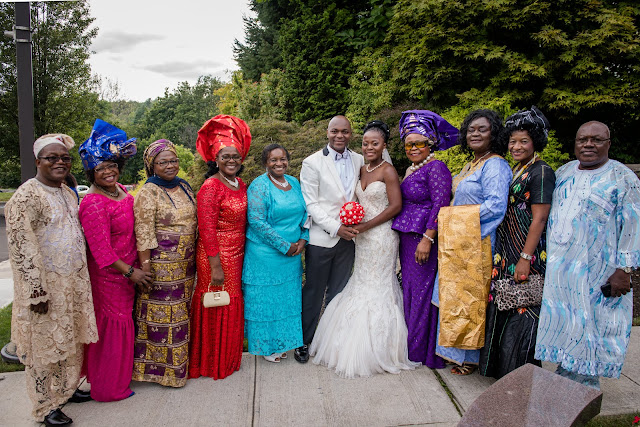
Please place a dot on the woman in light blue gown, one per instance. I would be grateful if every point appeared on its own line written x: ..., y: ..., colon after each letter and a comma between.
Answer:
x: 272, y: 271
x: 485, y: 182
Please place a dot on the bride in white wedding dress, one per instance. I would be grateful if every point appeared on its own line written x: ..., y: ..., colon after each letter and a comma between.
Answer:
x: 362, y: 331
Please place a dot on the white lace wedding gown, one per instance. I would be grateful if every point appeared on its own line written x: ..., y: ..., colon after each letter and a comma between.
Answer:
x: 362, y: 330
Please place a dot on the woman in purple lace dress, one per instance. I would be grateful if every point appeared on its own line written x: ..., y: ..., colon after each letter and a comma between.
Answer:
x: 425, y: 188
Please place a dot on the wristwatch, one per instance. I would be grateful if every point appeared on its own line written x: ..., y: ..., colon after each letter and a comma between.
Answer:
x: 526, y: 256
x: 128, y: 273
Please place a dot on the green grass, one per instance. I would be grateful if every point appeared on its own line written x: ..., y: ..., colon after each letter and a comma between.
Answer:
x: 5, y: 337
x: 4, y: 197
x: 636, y: 321
x: 614, y: 421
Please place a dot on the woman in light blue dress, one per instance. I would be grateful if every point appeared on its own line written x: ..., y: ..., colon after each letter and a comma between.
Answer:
x: 272, y: 271
x: 484, y: 181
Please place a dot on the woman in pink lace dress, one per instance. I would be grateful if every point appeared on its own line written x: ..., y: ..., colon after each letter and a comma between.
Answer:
x: 106, y: 215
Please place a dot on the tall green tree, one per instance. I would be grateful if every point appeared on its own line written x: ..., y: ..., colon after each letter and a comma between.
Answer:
x: 64, y: 100
x: 178, y: 115
x: 575, y: 59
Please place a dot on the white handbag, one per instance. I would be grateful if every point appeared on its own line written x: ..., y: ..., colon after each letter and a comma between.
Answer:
x: 215, y: 298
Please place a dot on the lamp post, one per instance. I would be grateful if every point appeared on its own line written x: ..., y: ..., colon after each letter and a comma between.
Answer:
x: 22, y: 36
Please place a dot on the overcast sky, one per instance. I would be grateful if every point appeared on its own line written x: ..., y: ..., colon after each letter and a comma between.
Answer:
x: 147, y: 46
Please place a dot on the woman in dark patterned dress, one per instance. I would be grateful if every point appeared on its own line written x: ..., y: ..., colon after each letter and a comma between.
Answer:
x: 520, y: 245
x: 426, y: 187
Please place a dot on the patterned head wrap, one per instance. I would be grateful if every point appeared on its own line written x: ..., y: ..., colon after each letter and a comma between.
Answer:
x: 152, y: 151
x: 429, y: 124
x: 52, y: 138
x: 106, y: 142
x: 527, y: 119
x: 223, y: 131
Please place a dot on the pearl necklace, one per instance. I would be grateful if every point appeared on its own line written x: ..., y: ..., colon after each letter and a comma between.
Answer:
x: 376, y: 167
x: 414, y: 168
x: 109, y: 193
x: 233, y: 183
x: 284, y: 184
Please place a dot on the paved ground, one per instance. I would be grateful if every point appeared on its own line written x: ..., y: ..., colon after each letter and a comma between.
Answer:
x: 4, y: 253
x: 288, y: 393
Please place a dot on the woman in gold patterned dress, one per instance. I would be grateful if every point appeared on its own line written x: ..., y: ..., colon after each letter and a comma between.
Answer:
x: 165, y: 212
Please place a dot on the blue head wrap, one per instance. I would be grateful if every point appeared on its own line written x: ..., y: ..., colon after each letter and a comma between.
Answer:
x: 106, y: 142
x: 429, y: 124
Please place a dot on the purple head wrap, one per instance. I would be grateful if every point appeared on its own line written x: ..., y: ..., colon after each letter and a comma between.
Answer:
x: 155, y: 148
x: 429, y: 124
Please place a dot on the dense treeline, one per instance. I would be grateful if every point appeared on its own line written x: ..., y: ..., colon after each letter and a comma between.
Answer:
x: 304, y: 61
x: 576, y: 60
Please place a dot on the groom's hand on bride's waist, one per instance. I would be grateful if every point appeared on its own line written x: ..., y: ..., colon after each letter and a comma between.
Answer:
x: 346, y: 232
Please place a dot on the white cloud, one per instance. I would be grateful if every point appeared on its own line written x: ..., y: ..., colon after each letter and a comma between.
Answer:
x: 118, y: 42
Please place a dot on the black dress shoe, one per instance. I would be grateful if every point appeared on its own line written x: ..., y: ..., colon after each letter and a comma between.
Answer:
x: 301, y: 354
x: 57, y: 418
x: 80, y: 396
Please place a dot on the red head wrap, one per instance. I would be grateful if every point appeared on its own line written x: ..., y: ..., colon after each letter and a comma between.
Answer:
x: 223, y: 131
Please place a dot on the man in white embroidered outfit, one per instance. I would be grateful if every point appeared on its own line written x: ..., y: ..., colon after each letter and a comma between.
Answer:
x: 53, y: 313
x: 328, y: 180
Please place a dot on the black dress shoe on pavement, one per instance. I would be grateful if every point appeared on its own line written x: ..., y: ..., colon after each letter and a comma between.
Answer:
x: 301, y: 354
x: 57, y: 418
x: 80, y: 396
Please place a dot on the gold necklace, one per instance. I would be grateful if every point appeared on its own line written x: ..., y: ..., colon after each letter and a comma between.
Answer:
x: 109, y: 193
x: 520, y: 171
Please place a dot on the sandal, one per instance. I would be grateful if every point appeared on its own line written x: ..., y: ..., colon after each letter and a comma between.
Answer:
x: 463, y: 370
x: 272, y: 358
x: 283, y: 355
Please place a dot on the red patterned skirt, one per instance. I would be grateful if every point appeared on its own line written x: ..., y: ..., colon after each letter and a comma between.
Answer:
x: 217, y: 333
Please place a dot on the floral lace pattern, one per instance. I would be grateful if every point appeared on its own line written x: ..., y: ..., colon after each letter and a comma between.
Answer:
x: 362, y: 331
x: 49, y: 263
x: 49, y: 387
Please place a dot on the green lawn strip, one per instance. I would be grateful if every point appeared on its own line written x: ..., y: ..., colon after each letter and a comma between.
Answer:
x: 5, y: 337
x: 636, y: 321
x: 4, y: 197
x: 614, y: 420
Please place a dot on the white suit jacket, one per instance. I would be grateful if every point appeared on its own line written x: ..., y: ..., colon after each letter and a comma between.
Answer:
x: 324, y: 195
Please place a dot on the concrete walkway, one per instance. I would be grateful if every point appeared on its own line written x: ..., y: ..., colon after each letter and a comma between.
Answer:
x: 291, y: 394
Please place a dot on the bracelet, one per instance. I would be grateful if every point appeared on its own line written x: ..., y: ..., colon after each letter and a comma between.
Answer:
x: 128, y: 273
x: 526, y: 256
x: 429, y: 238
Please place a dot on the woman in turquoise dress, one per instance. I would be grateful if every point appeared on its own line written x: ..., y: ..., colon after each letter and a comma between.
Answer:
x: 272, y: 271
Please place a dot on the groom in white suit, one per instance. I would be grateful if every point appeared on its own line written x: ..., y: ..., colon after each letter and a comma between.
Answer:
x: 328, y: 179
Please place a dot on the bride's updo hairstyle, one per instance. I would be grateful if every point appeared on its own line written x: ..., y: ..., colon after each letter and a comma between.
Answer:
x: 379, y: 126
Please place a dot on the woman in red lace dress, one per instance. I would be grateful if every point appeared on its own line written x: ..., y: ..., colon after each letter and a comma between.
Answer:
x: 217, y: 333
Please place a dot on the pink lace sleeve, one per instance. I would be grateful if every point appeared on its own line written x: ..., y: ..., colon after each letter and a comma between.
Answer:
x: 96, y: 222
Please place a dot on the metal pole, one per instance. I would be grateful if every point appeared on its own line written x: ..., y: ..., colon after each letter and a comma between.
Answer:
x: 25, y: 89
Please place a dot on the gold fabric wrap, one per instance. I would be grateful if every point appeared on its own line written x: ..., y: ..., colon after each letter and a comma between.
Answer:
x: 464, y: 265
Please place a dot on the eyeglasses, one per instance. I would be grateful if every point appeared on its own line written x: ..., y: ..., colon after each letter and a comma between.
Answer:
x: 227, y: 157
x: 596, y: 141
x: 418, y: 144
x: 56, y: 159
x: 107, y: 167
x: 163, y: 163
